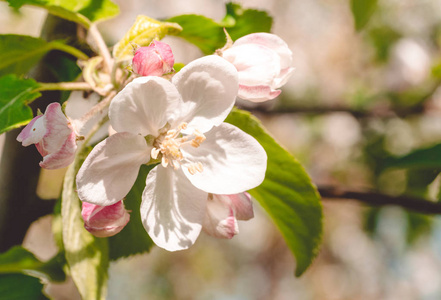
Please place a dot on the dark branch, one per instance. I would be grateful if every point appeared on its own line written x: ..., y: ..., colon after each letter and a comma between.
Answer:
x: 415, y: 204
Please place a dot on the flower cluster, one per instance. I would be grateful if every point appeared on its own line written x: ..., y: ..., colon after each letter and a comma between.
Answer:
x: 203, y: 166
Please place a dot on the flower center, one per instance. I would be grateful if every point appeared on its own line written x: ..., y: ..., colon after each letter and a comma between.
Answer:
x: 169, y: 145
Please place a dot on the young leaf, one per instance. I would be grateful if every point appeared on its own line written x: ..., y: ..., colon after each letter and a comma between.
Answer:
x: 133, y: 239
x: 142, y: 33
x: 20, y: 260
x: 15, y: 94
x: 362, y: 11
x: 287, y: 194
x: 86, y: 255
x: 19, y: 286
x: 208, y: 35
x: 84, y: 12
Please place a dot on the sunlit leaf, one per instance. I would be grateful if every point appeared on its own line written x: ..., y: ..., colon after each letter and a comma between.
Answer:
x: 84, y: 12
x: 15, y: 95
x: 362, y: 11
x: 20, y: 260
x: 208, y: 35
x: 142, y: 33
x: 133, y: 239
x: 20, y: 287
x: 287, y: 194
x: 86, y: 255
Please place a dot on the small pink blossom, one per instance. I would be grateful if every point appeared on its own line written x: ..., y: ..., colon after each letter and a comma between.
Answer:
x: 264, y: 63
x: 53, y: 136
x: 155, y: 60
x: 222, y: 214
x: 104, y: 221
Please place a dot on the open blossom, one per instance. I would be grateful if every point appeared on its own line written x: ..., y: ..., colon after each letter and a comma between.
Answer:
x: 222, y: 214
x: 179, y: 123
x: 155, y: 60
x: 264, y: 63
x: 53, y: 136
x: 104, y: 221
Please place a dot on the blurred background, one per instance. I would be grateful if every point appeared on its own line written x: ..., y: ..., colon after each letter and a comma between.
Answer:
x: 356, y: 99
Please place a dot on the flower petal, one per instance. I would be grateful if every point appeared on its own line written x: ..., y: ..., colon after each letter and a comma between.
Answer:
x: 33, y: 133
x: 57, y: 129
x: 208, y: 87
x: 110, y: 170
x: 232, y: 160
x: 257, y: 93
x: 63, y: 157
x: 144, y: 106
x: 219, y: 218
x: 241, y: 204
x: 172, y: 209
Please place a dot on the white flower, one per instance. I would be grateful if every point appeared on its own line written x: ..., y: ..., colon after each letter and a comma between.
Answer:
x: 264, y: 63
x: 181, y: 124
x: 53, y: 136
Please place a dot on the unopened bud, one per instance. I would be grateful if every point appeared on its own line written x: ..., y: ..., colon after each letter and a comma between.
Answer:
x: 104, y: 221
x: 155, y: 60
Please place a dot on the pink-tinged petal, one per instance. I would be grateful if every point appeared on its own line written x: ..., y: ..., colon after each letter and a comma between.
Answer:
x: 172, y: 209
x: 110, y: 170
x: 219, y: 218
x: 257, y: 65
x: 270, y: 41
x: 57, y: 129
x: 61, y: 158
x: 283, y: 77
x: 257, y: 93
x: 241, y: 204
x: 155, y: 60
x: 208, y: 87
x: 104, y: 221
x: 232, y: 161
x: 144, y: 106
x: 33, y: 133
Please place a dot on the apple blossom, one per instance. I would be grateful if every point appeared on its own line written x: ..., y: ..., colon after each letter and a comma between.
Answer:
x: 264, y: 63
x: 222, y: 214
x: 179, y: 124
x: 53, y: 136
x: 104, y: 221
x: 155, y: 60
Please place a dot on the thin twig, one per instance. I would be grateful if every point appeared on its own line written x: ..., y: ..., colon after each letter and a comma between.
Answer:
x: 64, y: 86
x: 102, y: 47
x: 375, y: 198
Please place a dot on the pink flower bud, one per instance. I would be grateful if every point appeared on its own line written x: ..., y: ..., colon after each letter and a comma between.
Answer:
x: 104, y: 221
x: 155, y: 60
x: 53, y: 136
x: 264, y: 63
x: 222, y: 214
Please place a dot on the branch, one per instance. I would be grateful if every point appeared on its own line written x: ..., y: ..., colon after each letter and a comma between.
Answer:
x: 374, y: 198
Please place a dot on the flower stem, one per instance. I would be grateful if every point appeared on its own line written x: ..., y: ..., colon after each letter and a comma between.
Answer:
x: 102, y: 47
x: 69, y: 49
x: 97, y: 108
x: 64, y: 86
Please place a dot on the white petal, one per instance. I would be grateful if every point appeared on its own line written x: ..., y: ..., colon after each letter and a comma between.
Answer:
x: 110, y: 170
x: 257, y: 93
x: 232, y: 160
x: 57, y: 128
x: 208, y: 87
x: 256, y: 64
x: 144, y: 106
x: 219, y: 219
x: 172, y: 209
x: 33, y: 133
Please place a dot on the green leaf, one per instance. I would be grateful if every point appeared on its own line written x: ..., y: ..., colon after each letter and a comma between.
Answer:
x: 208, y: 34
x: 425, y: 158
x: 142, y: 33
x: 86, y: 255
x: 133, y: 239
x: 19, y: 260
x: 84, y: 12
x: 362, y: 11
x: 15, y: 94
x: 19, y: 287
x: 287, y: 194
